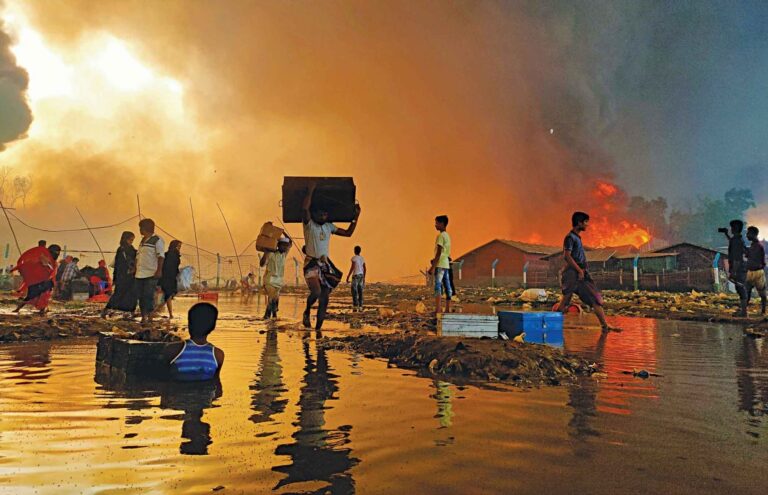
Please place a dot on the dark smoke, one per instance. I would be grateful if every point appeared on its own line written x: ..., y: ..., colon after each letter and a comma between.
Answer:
x: 15, y: 115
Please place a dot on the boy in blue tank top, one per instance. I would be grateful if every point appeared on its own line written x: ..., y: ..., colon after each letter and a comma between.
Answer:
x: 196, y: 359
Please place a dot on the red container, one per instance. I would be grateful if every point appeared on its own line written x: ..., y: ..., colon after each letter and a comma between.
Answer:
x: 208, y: 296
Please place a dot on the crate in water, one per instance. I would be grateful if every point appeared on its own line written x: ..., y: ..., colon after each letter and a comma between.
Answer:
x: 467, y: 325
x: 131, y: 357
x: 540, y: 327
x: 334, y: 194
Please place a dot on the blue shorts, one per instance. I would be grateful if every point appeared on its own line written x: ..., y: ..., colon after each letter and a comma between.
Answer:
x: 443, y: 282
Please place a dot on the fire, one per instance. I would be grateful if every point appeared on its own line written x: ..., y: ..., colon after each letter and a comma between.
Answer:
x: 606, y: 226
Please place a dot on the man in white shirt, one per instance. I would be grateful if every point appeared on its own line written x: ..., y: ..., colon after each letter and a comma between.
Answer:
x: 149, y: 267
x: 357, y: 271
x: 274, y: 261
x: 319, y: 272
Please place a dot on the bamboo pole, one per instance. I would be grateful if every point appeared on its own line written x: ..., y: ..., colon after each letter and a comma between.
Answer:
x: 15, y: 239
x: 197, y: 246
x: 92, y: 235
x: 138, y: 203
x: 234, y: 248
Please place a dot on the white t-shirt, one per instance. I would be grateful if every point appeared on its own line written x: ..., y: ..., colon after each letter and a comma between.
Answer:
x: 359, y: 263
x: 146, y: 258
x: 317, y: 238
x: 275, y: 269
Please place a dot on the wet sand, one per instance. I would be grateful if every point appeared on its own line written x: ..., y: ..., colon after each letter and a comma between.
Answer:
x: 294, y: 417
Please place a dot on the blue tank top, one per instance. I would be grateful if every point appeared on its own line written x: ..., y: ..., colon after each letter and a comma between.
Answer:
x: 195, y: 363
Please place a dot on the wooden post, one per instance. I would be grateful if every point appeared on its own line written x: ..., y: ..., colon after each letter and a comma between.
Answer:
x: 194, y: 228
x: 18, y: 248
x: 237, y: 257
x: 92, y: 235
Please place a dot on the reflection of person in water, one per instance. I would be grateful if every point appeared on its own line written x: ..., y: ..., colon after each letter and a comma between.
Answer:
x: 193, y: 399
x: 443, y: 396
x: 582, y: 397
x: 268, y: 387
x: 30, y: 361
x: 318, y: 454
x: 753, y: 388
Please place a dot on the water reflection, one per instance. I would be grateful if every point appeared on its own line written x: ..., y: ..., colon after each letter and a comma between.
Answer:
x: 752, y: 380
x: 318, y: 454
x: 443, y: 396
x: 191, y: 399
x: 268, y: 386
x: 582, y: 397
x: 30, y: 362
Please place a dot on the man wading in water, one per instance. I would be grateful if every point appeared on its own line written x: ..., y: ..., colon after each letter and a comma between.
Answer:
x: 575, y: 278
x: 321, y: 275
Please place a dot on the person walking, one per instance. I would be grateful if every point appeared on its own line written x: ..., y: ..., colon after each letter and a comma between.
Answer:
x: 149, y: 267
x: 37, y: 267
x: 357, y: 271
x: 319, y: 272
x: 169, y: 279
x: 274, y: 261
x: 575, y: 278
x: 123, y: 296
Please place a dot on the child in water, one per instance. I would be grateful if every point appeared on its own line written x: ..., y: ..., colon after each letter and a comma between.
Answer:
x: 196, y: 359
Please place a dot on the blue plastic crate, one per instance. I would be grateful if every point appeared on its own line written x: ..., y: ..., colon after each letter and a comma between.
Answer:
x: 540, y: 327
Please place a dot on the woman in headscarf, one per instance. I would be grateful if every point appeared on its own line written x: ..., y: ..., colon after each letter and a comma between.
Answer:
x: 37, y: 267
x: 124, y: 296
x: 168, y: 281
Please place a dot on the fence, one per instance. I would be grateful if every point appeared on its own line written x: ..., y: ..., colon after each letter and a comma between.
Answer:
x: 677, y: 280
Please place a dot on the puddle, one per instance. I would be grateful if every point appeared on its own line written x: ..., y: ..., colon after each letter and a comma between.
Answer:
x: 290, y: 417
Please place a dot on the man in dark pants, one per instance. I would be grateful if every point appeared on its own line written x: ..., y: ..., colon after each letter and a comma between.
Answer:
x: 737, y: 269
x: 756, y: 268
x: 317, y: 265
x: 149, y: 267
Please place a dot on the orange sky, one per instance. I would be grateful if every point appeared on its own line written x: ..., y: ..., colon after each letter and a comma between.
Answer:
x: 433, y: 108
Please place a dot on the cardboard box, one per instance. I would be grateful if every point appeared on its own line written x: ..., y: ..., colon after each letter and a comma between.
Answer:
x: 268, y: 237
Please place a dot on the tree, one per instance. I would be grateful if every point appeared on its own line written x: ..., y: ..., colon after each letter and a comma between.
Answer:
x: 13, y: 188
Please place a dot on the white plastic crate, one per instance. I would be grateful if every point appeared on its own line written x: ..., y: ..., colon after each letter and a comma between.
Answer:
x: 467, y: 325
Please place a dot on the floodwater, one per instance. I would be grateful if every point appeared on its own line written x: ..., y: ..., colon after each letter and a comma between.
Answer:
x: 292, y: 418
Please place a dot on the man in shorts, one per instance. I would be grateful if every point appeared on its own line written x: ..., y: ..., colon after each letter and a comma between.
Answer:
x: 319, y: 272
x: 441, y: 266
x: 755, y: 268
x: 575, y: 278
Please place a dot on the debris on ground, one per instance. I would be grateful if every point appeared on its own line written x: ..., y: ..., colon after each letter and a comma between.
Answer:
x: 456, y: 358
x: 26, y: 327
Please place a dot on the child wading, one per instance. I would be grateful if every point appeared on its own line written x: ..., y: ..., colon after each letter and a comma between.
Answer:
x: 319, y: 272
x: 575, y: 277
x: 273, y: 277
x: 755, y: 268
x: 196, y: 359
x: 357, y: 271
x: 441, y: 266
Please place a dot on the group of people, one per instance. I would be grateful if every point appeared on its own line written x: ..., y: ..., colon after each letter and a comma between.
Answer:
x: 143, y: 274
x: 746, y: 265
x: 139, y: 274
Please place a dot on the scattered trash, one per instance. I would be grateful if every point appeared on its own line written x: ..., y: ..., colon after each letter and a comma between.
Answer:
x: 641, y: 373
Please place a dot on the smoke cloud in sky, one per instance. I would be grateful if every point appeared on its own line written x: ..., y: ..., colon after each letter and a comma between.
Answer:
x: 434, y: 107
x: 15, y: 115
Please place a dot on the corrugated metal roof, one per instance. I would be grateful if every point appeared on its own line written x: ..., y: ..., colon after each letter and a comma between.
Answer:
x: 645, y: 255
x: 689, y: 244
x: 531, y: 248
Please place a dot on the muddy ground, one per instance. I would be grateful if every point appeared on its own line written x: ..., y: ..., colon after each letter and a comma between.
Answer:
x: 455, y: 358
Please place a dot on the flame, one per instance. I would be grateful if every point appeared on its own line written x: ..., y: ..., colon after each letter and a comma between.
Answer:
x: 606, y: 226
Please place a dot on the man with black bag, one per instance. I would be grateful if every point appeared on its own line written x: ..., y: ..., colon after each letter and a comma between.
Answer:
x: 737, y: 268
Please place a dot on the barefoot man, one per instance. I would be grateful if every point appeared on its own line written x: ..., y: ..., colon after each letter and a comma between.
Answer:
x: 37, y: 267
x: 576, y: 278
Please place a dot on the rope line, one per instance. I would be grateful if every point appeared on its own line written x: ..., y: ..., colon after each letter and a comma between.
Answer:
x: 40, y: 229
